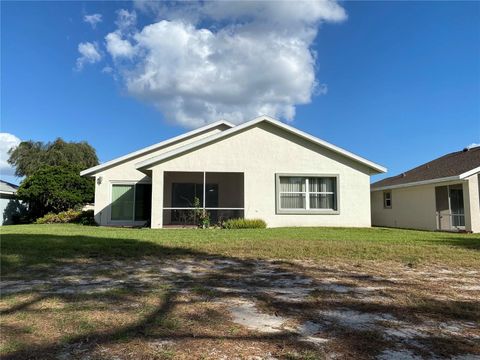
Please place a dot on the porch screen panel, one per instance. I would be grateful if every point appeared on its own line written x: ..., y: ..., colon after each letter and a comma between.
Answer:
x: 292, y: 192
x: 457, y: 208
x: 184, y: 194
x: 143, y: 202
x: 122, y: 202
x: 211, y: 195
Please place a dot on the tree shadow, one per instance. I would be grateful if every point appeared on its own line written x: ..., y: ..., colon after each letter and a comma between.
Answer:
x: 469, y: 242
x: 39, y: 251
x: 14, y: 212
x: 274, y: 286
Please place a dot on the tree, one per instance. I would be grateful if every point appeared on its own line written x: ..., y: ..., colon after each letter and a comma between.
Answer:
x: 55, y: 189
x: 29, y: 156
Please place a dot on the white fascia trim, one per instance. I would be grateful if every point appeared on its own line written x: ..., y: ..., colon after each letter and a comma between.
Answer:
x: 91, y: 171
x: 253, y: 122
x: 8, y: 192
x: 417, y: 183
x: 470, y: 173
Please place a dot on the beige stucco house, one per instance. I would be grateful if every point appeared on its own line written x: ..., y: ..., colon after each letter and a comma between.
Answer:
x: 260, y: 169
x: 442, y: 194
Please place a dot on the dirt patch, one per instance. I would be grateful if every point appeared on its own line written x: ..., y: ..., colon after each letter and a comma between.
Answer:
x: 246, y: 314
x: 231, y: 308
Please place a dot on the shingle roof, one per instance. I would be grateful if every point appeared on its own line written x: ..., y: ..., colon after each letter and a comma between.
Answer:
x: 453, y: 164
x: 8, y: 187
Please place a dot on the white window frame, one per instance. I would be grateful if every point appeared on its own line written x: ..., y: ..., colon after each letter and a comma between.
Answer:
x: 385, y: 206
x: 307, y: 193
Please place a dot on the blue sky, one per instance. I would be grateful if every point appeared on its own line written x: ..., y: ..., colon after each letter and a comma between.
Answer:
x: 396, y: 82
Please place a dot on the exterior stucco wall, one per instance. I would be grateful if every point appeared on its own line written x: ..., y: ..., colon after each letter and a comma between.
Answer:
x: 126, y: 173
x: 471, y: 200
x: 261, y: 152
x: 412, y: 208
x: 10, y: 207
x: 4, y: 201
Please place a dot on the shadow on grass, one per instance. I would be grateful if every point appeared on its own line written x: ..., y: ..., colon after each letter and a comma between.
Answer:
x: 24, y: 255
x: 469, y: 243
x: 19, y: 251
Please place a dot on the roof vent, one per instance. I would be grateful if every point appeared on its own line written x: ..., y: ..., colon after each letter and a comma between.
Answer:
x: 403, y: 174
x: 465, y: 149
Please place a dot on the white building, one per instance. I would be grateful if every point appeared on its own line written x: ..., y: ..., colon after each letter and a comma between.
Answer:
x: 260, y: 169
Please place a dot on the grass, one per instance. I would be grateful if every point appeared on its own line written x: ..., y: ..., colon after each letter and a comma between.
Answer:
x: 128, y: 320
x: 42, y: 245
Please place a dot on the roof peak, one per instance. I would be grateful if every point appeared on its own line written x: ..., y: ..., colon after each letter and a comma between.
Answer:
x: 253, y: 122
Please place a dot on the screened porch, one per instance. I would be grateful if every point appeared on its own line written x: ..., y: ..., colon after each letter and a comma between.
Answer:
x: 220, y: 194
x: 450, y: 210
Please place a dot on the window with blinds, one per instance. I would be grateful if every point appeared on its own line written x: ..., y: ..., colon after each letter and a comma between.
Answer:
x: 307, y: 193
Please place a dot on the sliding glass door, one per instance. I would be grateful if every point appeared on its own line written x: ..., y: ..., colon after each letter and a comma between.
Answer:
x: 131, y: 202
x: 122, y: 202
x: 143, y: 202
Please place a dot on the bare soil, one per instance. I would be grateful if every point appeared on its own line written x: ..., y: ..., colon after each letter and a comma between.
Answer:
x: 223, y: 308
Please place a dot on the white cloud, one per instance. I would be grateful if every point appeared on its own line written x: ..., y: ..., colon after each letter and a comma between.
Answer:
x: 90, y: 54
x: 126, y: 19
x: 7, y: 141
x: 251, y: 58
x: 473, y: 145
x: 93, y: 19
x: 118, y: 47
x: 107, y: 70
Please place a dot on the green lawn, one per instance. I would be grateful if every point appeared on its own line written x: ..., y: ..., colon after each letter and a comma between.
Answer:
x: 72, y: 291
x: 28, y: 245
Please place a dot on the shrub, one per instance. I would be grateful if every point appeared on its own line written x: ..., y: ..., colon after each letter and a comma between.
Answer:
x: 200, y: 216
x: 86, y: 218
x: 61, y: 217
x: 69, y: 216
x: 244, y: 224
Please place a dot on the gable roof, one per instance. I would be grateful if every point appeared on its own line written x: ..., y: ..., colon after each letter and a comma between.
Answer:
x: 95, y: 169
x: 453, y: 166
x: 7, y: 188
x: 208, y: 140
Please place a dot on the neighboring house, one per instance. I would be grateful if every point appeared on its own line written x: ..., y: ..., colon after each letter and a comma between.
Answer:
x: 442, y: 194
x: 9, y: 205
x: 260, y: 169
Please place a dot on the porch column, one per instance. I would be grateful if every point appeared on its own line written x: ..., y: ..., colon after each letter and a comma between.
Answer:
x: 157, y: 199
x: 204, y: 190
x: 471, y: 201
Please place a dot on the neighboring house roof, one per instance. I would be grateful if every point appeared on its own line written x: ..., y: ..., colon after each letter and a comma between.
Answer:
x: 7, y: 188
x: 453, y: 166
x: 93, y: 170
x: 208, y: 140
